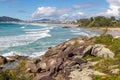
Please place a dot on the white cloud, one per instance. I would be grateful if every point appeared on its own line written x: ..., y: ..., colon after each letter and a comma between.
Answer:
x: 64, y: 17
x: 72, y: 16
x: 78, y: 14
x: 56, y: 13
x: 44, y: 12
x: 113, y: 10
x: 49, y: 12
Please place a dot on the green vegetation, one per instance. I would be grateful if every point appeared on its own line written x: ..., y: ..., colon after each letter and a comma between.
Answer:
x: 113, y: 77
x: 112, y: 43
x: 19, y: 73
x: 105, y: 65
x: 99, y: 21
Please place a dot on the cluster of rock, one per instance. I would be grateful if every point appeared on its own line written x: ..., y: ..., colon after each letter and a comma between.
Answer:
x: 65, y: 61
x: 10, y: 61
x: 3, y: 60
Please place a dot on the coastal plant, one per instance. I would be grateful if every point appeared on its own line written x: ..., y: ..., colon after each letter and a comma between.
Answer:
x: 105, y: 66
x: 4, y: 75
x: 18, y: 73
x: 110, y: 77
x: 99, y: 21
x: 110, y: 42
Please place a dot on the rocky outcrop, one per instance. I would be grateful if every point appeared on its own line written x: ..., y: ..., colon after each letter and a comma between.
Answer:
x: 66, y: 59
x: 10, y: 61
x: 115, y: 71
x: 84, y: 74
x: 100, y: 50
x: 17, y: 57
x: 74, y: 46
x: 3, y: 60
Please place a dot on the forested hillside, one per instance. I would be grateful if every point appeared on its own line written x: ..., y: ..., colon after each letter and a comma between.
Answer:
x: 99, y: 21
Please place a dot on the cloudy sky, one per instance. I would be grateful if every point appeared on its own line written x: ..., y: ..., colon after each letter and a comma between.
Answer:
x: 59, y: 9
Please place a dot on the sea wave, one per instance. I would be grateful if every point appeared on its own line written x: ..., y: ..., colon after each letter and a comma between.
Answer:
x: 26, y: 30
x: 30, y: 42
x: 83, y: 32
x: 22, y: 27
x: 36, y: 54
x: 30, y: 56
x: 13, y: 53
x: 29, y: 37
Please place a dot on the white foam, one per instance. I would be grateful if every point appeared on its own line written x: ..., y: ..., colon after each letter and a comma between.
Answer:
x: 31, y: 56
x: 22, y: 27
x: 36, y: 54
x: 74, y: 31
x: 13, y: 53
x: 83, y: 32
x: 79, y: 32
x: 29, y: 37
x: 39, y: 24
x: 42, y: 29
x: 12, y: 41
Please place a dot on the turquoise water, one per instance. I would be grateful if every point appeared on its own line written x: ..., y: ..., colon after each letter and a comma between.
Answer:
x: 33, y: 40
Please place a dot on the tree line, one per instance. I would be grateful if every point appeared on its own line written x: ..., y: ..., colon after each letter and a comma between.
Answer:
x: 99, y: 21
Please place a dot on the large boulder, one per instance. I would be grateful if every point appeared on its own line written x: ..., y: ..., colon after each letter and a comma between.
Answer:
x: 36, y: 66
x: 42, y: 65
x: 100, y: 50
x: 31, y: 67
x: 84, y: 74
x: 75, y: 46
x: 3, y: 60
x: 115, y: 71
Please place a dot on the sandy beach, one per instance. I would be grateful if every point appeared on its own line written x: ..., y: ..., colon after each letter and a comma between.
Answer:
x: 115, y: 32
x: 112, y: 29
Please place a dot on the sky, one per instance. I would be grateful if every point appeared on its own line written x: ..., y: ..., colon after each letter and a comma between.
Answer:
x: 59, y: 9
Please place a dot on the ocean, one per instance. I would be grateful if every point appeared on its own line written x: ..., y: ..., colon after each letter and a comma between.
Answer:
x: 34, y: 39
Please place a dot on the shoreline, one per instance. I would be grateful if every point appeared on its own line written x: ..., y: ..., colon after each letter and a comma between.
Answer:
x: 57, y: 60
x: 115, y: 32
x: 112, y: 29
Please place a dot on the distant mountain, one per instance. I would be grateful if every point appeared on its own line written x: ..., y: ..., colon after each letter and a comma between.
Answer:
x: 9, y: 19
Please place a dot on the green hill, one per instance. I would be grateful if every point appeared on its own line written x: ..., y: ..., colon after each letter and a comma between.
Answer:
x: 9, y: 19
